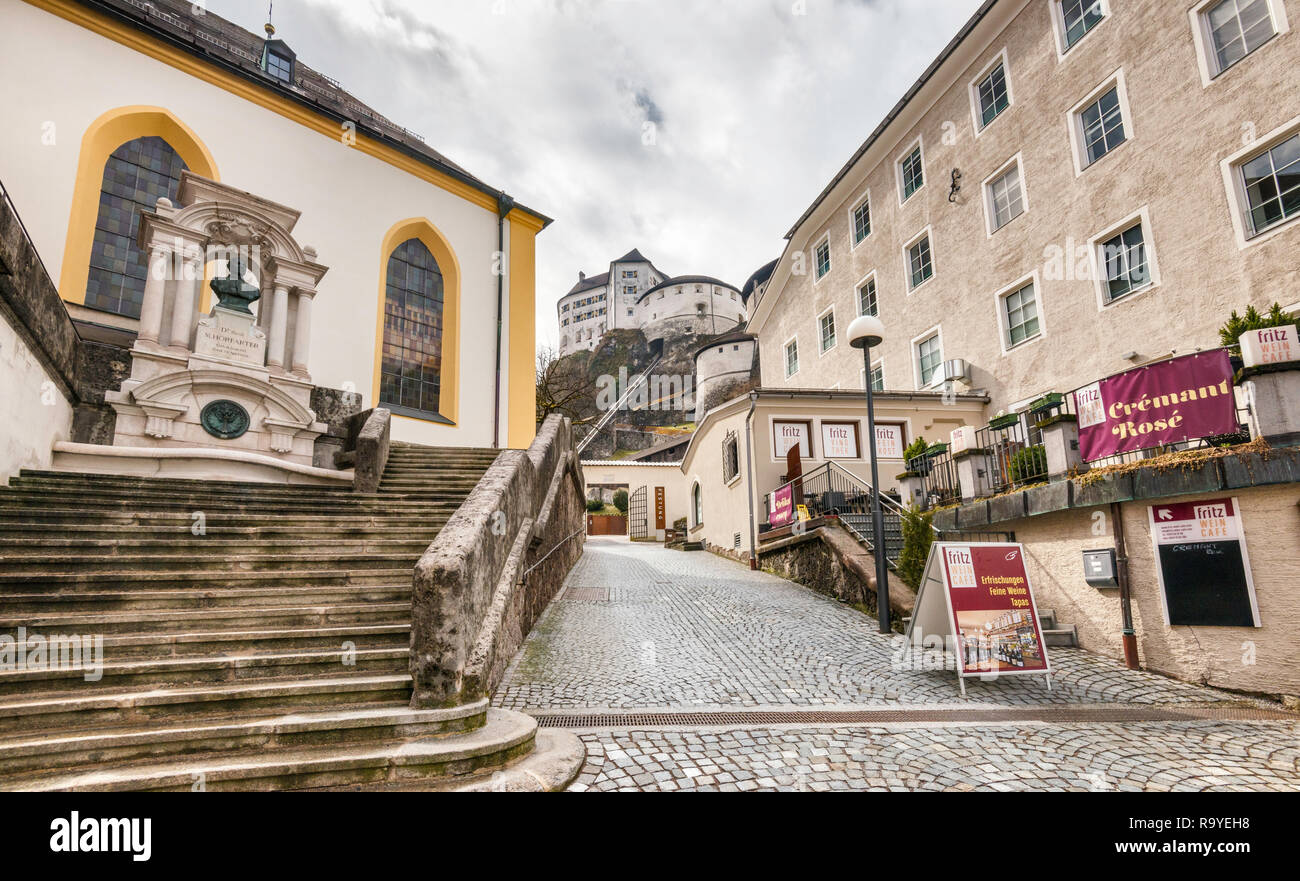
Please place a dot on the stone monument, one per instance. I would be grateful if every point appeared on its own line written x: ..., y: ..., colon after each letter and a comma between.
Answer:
x: 232, y: 381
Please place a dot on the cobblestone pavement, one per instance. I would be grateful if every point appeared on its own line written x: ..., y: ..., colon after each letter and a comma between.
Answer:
x: 1108, y: 757
x: 694, y: 632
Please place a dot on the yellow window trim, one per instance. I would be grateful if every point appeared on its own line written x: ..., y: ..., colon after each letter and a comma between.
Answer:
x: 521, y: 404
x: 420, y: 228
x: 102, y: 137
x: 181, y: 60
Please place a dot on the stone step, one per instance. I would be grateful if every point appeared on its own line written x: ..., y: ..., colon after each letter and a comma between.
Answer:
x: 82, y: 710
x: 129, y: 544
x: 19, y: 499
x: 162, y: 598
x: 505, y: 736
x: 209, y: 620
x: 197, y: 643
x: 199, y: 577
x: 319, y: 524
x: 155, y: 673
x: 30, y: 758
x: 287, y: 492
x: 212, y: 561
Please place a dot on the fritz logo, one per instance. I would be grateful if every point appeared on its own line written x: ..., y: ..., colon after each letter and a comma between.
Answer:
x: 1211, y: 512
x: 961, y: 571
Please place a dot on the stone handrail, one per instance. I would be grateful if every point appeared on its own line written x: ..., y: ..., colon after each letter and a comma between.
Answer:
x: 366, y: 448
x: 477, y: 590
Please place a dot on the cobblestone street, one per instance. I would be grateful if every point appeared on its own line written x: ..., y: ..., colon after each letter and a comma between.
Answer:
x: 640, y: 628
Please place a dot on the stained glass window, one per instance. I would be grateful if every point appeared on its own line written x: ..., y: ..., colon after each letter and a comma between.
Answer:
x: 136, y: 175
x: 411, y: 363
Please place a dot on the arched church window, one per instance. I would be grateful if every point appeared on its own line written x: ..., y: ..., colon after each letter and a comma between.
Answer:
x: 136, y: 175
x: 697, y: 499
x: 411, y: 367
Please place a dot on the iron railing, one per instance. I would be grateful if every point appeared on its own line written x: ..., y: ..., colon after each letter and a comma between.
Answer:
x: 832, y: 490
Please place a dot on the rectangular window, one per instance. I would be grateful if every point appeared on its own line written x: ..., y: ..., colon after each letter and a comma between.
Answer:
x: 913, y: 175
x: 1236, y: 28
x: 279, y: 67
x: 862, y: 221
x: 1079, y: 17
x: 919, y: 262
x: 1124, y: 262
x: 826, y: 326
x: 1006, y: 199
x: 993, y: 95
x: 791, y: 358
x: 822, y: 256
x: 867, y: 302
x: 1020, y: 309
x: 878, y: 378
x: 1102, y: 125
x: 928, y: 358
x: 1272, y: 182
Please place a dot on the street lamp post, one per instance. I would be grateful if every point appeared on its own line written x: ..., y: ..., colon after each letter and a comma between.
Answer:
x: 865, y: 332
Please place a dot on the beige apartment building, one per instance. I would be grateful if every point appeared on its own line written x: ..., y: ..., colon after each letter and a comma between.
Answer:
x: 1072, y: 188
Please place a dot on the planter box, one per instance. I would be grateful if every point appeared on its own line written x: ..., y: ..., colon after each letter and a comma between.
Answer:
x: 1149, y: 483
x: 1251, y: 469
x: 1111, y: 488
x: 1004, y: 422
x: 1011, y: 507
x: 1046, y: 499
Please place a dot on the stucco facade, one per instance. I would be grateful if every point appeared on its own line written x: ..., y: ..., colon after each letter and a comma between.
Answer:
x: 650, y: 475
x: 1256, y: 659
x: 1177, y: 174
x: 726, y: 498
x: 354, y: 190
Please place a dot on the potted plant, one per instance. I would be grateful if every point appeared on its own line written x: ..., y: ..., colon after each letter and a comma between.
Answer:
x: 1003, y: 422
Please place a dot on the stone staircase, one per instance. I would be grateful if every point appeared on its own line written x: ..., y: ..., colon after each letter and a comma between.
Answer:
x: 254, y: 635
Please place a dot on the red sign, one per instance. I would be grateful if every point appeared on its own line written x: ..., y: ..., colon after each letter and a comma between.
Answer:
x: 993, y: 612
x: 1175, y: 400
x: 782, y: 506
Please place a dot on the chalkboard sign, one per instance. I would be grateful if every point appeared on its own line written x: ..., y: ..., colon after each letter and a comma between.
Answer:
x: 1205, y: 583
x: 1204, y: 571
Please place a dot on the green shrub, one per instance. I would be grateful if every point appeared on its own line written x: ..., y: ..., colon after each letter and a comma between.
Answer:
x: 620, y: 501
x: 915, y: 448
x: 1029, y: 463
x: 1236, y: 325
x: 918, y: 535
x: 595, y: 506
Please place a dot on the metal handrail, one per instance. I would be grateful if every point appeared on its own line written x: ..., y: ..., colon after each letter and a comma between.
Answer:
x: 632, y: 386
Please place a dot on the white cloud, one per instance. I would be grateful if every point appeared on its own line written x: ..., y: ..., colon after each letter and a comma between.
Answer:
x: 755, y: 108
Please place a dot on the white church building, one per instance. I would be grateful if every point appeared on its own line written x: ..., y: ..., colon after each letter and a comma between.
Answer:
x: 383, y: 271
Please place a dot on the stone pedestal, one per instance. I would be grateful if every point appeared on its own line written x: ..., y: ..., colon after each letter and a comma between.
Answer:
x: 1061, y: 445
x: 232, y: 336
x: 912, y: 488
x: 972, y: 473
x: 1274, y: 396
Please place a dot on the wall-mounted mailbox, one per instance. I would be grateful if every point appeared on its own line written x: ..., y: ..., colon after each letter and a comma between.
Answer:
x: 1099, y: 568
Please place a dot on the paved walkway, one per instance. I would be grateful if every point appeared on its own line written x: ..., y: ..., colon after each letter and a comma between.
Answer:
x: 640, y: 628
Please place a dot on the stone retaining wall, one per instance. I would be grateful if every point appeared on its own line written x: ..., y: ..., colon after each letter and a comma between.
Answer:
x: 494, y: 567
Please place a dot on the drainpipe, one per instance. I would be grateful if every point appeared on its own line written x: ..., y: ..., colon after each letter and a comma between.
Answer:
x: 749, y: 470
x: 504, y: 204
x: 1125, y: 597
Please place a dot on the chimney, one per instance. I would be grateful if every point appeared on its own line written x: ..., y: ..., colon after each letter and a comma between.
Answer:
x: 582, y: 276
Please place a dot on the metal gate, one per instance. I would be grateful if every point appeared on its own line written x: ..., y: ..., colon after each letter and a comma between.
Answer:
x: 638, y: 520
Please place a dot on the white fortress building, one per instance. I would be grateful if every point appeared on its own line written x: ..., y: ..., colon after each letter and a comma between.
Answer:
x: 635, y: 294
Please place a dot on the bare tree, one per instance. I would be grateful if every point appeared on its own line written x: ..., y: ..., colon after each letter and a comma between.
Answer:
x: 565, y: 386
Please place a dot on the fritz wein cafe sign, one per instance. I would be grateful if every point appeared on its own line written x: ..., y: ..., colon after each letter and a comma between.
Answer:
x: 1176, y: 400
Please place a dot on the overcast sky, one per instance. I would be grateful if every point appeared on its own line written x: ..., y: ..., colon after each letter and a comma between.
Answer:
x: 755, y: 104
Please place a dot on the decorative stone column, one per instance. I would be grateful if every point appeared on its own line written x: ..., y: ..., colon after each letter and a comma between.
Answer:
x: 1273, y: 391
x: 155, y: 291
x: 302, y: 333
x: 912, y: 487
x: 279, y: 329
x: 184, y: 302
x: 1061, y: 444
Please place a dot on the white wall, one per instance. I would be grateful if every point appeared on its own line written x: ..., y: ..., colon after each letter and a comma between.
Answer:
x: 70, y: 76
x: 33, y: 412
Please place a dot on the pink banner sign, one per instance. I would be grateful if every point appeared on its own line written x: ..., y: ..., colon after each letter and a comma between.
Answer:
x: 782, y: 506
x: 1176, y: 400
